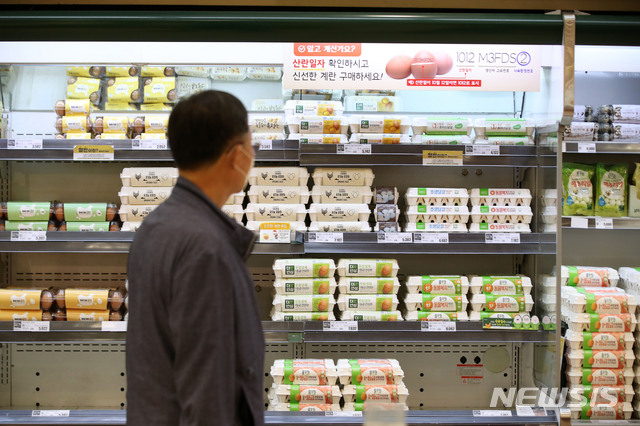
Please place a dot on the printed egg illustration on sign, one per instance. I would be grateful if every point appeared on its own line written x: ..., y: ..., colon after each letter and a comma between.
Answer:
x: 424, y: 65
x: 399, y: 67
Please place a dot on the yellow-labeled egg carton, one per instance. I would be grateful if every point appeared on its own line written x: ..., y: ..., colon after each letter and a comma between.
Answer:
x: 380, y: 138
x: 131, y: 213
x: 255, y: 226
x: 437, y: 214
x: 135, y: 195
x: 611, y: 323
x: 334, y: 212
x: 234, y: 211
x: 341, y: 194
x: 313, y: 408
x: 504, y: 140
x: 436, y: 316
x: 313, y: 108
x: 266, y: 123
x: 85, y: 88
x: 588, y: 276
x: 316, y: 124
x: 343, y: 176
x: 436, y: 196
x: 321, y: 138
x: 589, y: 358
x: 395, y: 394
x: 440, y: 139
x: 500, y: 197
x: 368, y: 268
x: 501, y: 214
x: 72, y: 124
x: 149, y: 176
x: 368, y: 302
x: 486, y: 127
x: 436, y: 302
x: 73, y: 107
x: 305, y: 394
x: 280, y: 176
x: 339, y: 227
x: 370, y: 372
x: 393, y: 124
x: 441, y: 126
x: 304, y: 268
x: 321, y: 372
x: 600, y: 376
x: 599, y: 300
x: 302, y: 316
x: 259, y: 194
x: 502, y: 303
x: 436, y: 227
x: 352, y: 315
x: 368, y: 285
x: 437, y: 284
x: 303, y: 303
x: 501, y: 284
x: 295, y: 286
x: 276, y: 212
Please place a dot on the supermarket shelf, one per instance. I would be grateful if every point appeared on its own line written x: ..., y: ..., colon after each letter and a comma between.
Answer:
x: 278, y: 150
x: 606, y: 422
x: 61, y: 331
x: 579, y: 147
x: 626, y: 223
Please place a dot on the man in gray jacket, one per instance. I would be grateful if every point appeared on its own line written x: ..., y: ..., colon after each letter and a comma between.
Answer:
x: 195, y: 348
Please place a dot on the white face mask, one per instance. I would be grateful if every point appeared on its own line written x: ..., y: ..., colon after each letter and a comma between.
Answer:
x: 245, y: 173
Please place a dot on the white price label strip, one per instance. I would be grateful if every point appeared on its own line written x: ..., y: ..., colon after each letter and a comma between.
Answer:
x: 50, y: 413
x: 114, y: 325
x: 604, y: 223
x: 492, y: 413
x: 579, y: 222
x: 153, y: 144
x: 502, y: 238
x: 35, y: 144
x: 395, y: 237
x: 28, y: 235
x: 266, y: 146
x: 326, y: 237
x: 343, y: 413
x: 431, y: 238
x: 587, y: 147
x: 340, y: 326
x: 19, y: 325
x: 482, y: 150
x: 438, y: 326
x: 354, y: 149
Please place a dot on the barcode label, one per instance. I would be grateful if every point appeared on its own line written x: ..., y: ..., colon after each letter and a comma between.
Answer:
x: 431, y: 238
x: 50, y: 413
x: 354, y: 149
x: 28, y: 236
x: 326, y: 237
x: 438, y: 326
x: 340, y: 326
x: 20, y: 325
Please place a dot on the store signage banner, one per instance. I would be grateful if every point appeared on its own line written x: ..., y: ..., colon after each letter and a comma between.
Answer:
x: 376, y: 66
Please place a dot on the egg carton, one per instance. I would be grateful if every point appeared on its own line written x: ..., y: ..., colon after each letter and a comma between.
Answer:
x: 339, y: 227
x: 373, y: 103
x: 267, y: 105
x: 304, y: 372
x: 437, y: 196
x: 517, y: 317
x: 350, y: 315
x: 304, y: 268
x: 380, y: 138
x: 609, y: 323
x: 437, y: 284
x: 387, y: 227
x: 441, y: 126
x: 599, y: 341
x: 441, y: 139
x: 598, y: 303
x: 588, y: 276
x: 630, y: 280
x: 501, y: 285
x: 603, y: 411
x: 339, y: 212
x: 436, y: 227
x: 299, y: 226
x: 368, y: 268
x: 130, y: 213
x: 435, y: 316
x: 303, y: 303
x: 548, y: 302
x: 600, y: 376
x: 377, y: 406
x: 548, y: 283
x: 149, y: 176
x: 577, y: 358
x: 491, y: 303
x: 500, y: 197
x: 312, y: 94
x: 549, y: 198
x: 436, y: 302
x: 379, y: 124
x: 276, y: 212
x: 521, y: 228
x: 223, y: 73
x: 342, y: 194
x: 278, y: 195
x: 305, y: 285
x: 386, y: 195
x: 234, y: 211
x: 550, y: 215
x: 369, y: 372
x: 603, y: 394
x: 236, y: 198
x: 304, y: 407
x: 303, y: 394
x: 313, y: 108
x: 313, y: 124
x: 437, y: 214
x: 501, y: 214
x: 258, y: 138
x: 130, y: 226
x: 321, y: 138
x: 485, y: 127
x: 342, y: 176
x: 368, y: 285
x: 386, y: 213
x: 280, y: 176
x: 378, y: 393
x: 266, y: 123
x: 302, y: 316
x: 505, y: 140
x: 368, y: 302
x: 264, y: 73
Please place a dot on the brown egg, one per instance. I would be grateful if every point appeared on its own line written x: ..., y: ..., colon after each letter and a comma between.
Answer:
x: 112, y: 210
x: 51, y: 226
x: 386, y: 305
x: 444, y: 61
x: 98, y: 125
x: 171, y: 95
x: 133, y: 71
x: 424, y: 65
x: 59, y: 211
x: 323, y: 271
x: 147, y: 81
x: 46, y: 300
x: 59, y: 124
x: 323, y: 288
x: 60, y: 315
x: 3, y: 209
x: 116, y: 299
x: 115, y: 316
x: 63, y: 226
x: 72, y: 80
x: 2, y: 227
x: 399, y: 67
x: 114, y: 227
x: 138, y: 124
x: 387, y: 287
x: 46, y: 316
x: 135, y: 95
x: 59, y: 298
x: 323, y: 305
x: 386, y: 270
x: 59, y: 108
x: 169, y: 71
x: 94, y: 97
x: 111, y: 82
x: 95, y: 71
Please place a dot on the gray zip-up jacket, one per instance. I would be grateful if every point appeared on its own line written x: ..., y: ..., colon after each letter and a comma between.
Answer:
x: 195, y: 347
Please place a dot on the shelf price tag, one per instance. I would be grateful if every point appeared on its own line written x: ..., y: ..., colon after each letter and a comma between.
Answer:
x: 395, y: 237
x: 354, y: 149
x: 20, y: 325
x: 28, y: 235
x: 492, y: 413
x: 579, y: 222
x: 343, y: 413
x: 93, y: 153
x: 442, y: 158
x: 502, y: 238
x: 326, y: 237
x: 275, y: 233
x: 431, y: 238
x: 438, y: 326
x: 114, y: 326
x: 482, y: 150
x: 604, y: 223
x: 339, y: 325
x: 153, y: 144
x: 50, y: 413
x: 587, y: 147
x: 34, y: 144
x: 265, y: 146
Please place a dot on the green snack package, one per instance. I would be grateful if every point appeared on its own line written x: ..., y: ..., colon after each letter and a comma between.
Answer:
x: 577, y: 189
x: 611, y: 190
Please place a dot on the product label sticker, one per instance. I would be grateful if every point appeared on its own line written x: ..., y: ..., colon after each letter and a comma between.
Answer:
x: 28, y: 236
x: 370, y: 285
x: 26, y: 144
x: 437, y: 325
x: 88, y: 226
x: 442, y: 158
x: 311, y: 394
x: 305, y: 375
x: 275, y: 233
x: 22, y: 323
x: 439, y: 284
x: 471, y: 374
x: 306, y: 303
x: 603, y: 377
x: 76, y: 212
x: 370, y: 302
x: 93, y: 153
x: 307, y: 286
x: 94, y: 299
x: 369, y: 374
x: 340, y: 326
x: 614, y: 323
x: 370, y: 268
x: 446, y: 317
x: 604, y: 359
x: 606, y: 304
x: 443, y: 303
x: 20, y: 299
x: 28, y: 211
x: 504, y: 303
x: 377, y: 393
x: 507, y: 285
x: 307, y: 268
x: 603, y: 341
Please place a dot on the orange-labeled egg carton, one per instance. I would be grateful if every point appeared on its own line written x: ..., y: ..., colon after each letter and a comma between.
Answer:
x: 229, y: 73
x: 368, y: 285
x: 602, y: 411
x: 368, y: 302
x: 87, y: 315
x: 600, y: 376
x: 336, y: 212
x: 578, y: 358
x: 513, y: 197
x: 396, y: 394
x: 149, y: 176
x: 436, y: 316
x: 343, y: 176
x: 321, y: 372
x: 25, y: 315
x: 12, y: 225
x: 604, y: 394
x: 437, y: 284
x: 73, y: 107
x: 278, y: 176
x: 501, y: 284
x: 315, y: 124
x: 342, y: 194
x: 501, y: 214
x: 436, y: 227
x: 255, y: 226
x: 501, y: 303
x: 304, y: 268
x: 352, y: 315
x: 304, y: 394
x: 437, y: 214
x: 89, y: 298
x: 368, y: 268
x: 313, y: 108
x: 436, y: 302
x: 303, y: 303
x: 485, y: 127
x: 521, y: 228
x: 302, y: 316
x: 129, y: 213
x: 296, y: 286
x: 380, y: 138
x: 441, y: 126
x: 309, y: 138
x: 440, y: 139
x: 266, y: 123
x: 130, y: 226
x: 588, y: 276
x: 299, y: 407
x: 437, y: 197
x: 136, y: 195
x: 610, y: 323
x: 370, y: 372
x: 26, y: 299
x: 598, y: 300
x: 234, y: 211
x: 394, y: 124
x: 276, y: 212
x: 339, y: 227
x: 504, y: 140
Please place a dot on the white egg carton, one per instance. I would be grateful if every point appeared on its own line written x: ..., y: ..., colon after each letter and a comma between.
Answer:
x: 614, y: 323
x: 548, y: 302
x: 314, y: 394
x: 276, y: 212
x: 130, y: 226
x: 368, y: 302
x: 306, y: 372
x: 268, y: 105
x: 279, y: 176
x: 378, y: 393
x: 304, y: 268
x: 501, y: 214
x: 377, y: 406
x: 234, y: 211
x: 602, y: 303
x: 550, y: 215
x: 368, y: 268
x: 607, y: 359
x: 379, y: 138
x: 436, y: 316
x: 436, y: 227
x: 254, y: 226
x: 588, y: 276
x: 505, y: 141
x: 223, y: 73
x: 342, y: 194
x: 266, y: 123
x: 437, y: 196
x: 368, y: 285
x: 373, y: 103
x: 305, y: 285
x: 501, y: 284
x: 302, y: 316
x: 437, y: 214
x: 549, y: 198
x: 278, y: 194
x: 130, y: 213
x: 602, y: 395
x: 483, y: 302
x: 441, y: 139
x: 236, y: 198
x: 603, y: 412
x: 518, y: 317
x: 143, y: 196
x: 387, y: 227
x: 310, y: 94
x: 503, y: 127
x: 437, y: 284
x: 386, y: 213
x: 386, y: 195
x: 343, y: 176
x: 548, y: 283
x: 601, y: 376
x: 631, y: 278
x: 500, y: 197
x: 372, y: 371
x: 309, y: 138
x: 436, y: 302
x: 339, y: 227
x: 599, y: 341
x: 313, y: 124
x: 521, y: 228
x: 303, y: 303
x: 350, y: 315
x: 317, y: 108
x: 257, y: 138
x: 276, y: 406
x: 339, y: 212
x: 441, y: 126
x: 264, y: 73
x: 379, y: 124
x: 149, y: 176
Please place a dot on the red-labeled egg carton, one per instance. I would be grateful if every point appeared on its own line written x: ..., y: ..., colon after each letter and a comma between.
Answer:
x: 437, y: 284
x: 370, y: 372
x: 368, y: 285
x: 386, y: 195
x: 501, y: 285
x: 267, y: 123
x: 278, y: 194
x: 496, y: 303
x: 395, y: 124
x: 303, y: 303
x: 305, y: 285
x: 339, y: 227
x: 368, y: 268
x: 520, y: 228
x: 441, y: 126
x: 441, y: 140
x: 603, y: 411
x: 379, y: 138
x: 588, y: 276
x: 501, y: 214
x: 318, y: 125
x: 234, y: 211
x: 368, y: 302
x: 302, y: 316
x: 304, y: 268
x: 139, y: 195
x: 386, y: 213
x: 387, y: 227
x: 343, y: 176
x: 293, y: 226
x: 304, y: 372
x: 130, y: 213
x: 257, y: 138
x: 437, y: 197
x: 374, y: 406
x: 500, y: 197
x: 593, y: 301
x: 437, y: 214
x: 435, y: 316
x: 436, y: 302
x: 309, y: 138
x: 317, y: 108
x: 589, y: 358
x: 350, y: 315
x: 149, y: 176
x: 305, y: 394
x: 298, y: 407
x: 278, y: 176
x: 485, y: 127
x: 324, y: 212
x: 505, y: 140
x: 130, y: 226
x: 609, y: 323
x: 342, y: 194
x: 600, y: 376
x: 436, y: 227
x: 604, y: 394
x: 375, y: 393
x: 276, y: 212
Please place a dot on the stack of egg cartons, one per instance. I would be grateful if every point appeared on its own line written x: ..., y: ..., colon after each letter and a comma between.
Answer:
x: 150, y: 127
x: 368, y: 383
x: 159, y: 84
x: 386, y: 211
x: 302, y: 131
x: 143, y: 189
x: 630, y: 282
x: 441, y: 131
x: 73, y: 120
x: 368, y: 290
x: 379, y: 129
x: 341, y: 200
x: 266, y: 127
x: 619, y: 122
x: 549, y: 210
x: 437, y: 209
x: 277, y: 195
x: 503, y: 297
x: 548, y: 302
x: 437, y: 298
x: 304, y: 290
x: 601, y: 319
x: 500, y: 210
x: 504, y: 131
x: 304, y: 385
